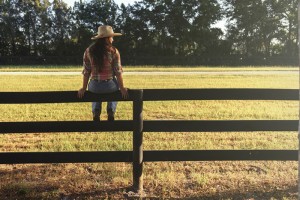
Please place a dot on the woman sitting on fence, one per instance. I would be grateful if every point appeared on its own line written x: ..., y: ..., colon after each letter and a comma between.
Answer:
x: 102, y: 71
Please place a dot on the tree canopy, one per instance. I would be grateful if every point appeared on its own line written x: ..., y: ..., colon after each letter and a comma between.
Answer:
x: 154, y: 32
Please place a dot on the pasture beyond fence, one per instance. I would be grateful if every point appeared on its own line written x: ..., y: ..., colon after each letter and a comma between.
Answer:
x: 137, y: 156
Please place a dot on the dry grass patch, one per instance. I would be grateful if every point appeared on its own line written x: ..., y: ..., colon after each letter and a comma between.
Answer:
x: 198, y: 180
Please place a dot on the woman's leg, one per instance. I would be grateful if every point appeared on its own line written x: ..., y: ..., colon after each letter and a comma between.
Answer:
x: 112, y: 105
x: 101, y: 87
x: 96, y: 106
x: 111, y: 109
x: 96, y: 110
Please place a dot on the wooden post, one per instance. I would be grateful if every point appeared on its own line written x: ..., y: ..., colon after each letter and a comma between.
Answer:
x: 138, y: 142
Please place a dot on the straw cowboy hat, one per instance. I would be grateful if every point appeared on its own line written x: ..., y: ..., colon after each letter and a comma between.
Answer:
x: 105, y: 31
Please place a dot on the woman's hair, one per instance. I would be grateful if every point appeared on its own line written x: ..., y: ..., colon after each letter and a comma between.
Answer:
x: 100, y: 48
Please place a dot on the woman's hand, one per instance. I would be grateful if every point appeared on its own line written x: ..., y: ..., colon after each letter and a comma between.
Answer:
x: 124, y: 92
x: 81, y: 92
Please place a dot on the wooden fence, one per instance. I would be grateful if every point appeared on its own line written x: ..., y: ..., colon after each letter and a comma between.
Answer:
x: 138, y: 126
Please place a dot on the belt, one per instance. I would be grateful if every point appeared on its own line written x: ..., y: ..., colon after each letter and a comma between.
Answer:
x: 102, y: 80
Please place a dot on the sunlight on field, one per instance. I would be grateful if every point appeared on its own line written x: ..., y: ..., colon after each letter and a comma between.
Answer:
x: 262, y: 180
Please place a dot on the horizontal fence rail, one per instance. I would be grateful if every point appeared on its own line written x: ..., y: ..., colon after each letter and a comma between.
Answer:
x: 151, y: 126
x: 220, y: 155
x: 58, y: 97
x: 220, y: 94
x: 220, y: 125
x: 65, y: 126
x: 151, y: 95
x: 65, y: 157
x: 149, y: 156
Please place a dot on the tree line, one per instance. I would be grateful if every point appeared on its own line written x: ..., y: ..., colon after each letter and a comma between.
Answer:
x: 157, y: 32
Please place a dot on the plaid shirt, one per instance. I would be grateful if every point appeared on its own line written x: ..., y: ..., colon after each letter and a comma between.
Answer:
x: 112, y: 66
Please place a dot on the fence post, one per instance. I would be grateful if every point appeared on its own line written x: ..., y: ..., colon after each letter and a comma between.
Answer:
x: 138, y: 141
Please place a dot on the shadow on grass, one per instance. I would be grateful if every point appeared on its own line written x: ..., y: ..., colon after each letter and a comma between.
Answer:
x: 43, y: 190
x: 289, y: 193
x: 121, y: 193
x: 114, y: 193
x: 20, y: 192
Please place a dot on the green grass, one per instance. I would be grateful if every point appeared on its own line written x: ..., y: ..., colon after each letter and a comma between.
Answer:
x: 198, y: 180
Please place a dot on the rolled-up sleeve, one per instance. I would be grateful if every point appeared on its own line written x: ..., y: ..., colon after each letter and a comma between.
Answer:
x: 86, y: 64
x: 117, y: 67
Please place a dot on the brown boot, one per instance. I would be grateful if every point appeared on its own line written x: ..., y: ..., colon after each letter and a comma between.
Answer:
x: 110, y: 116
x: 96, y: 117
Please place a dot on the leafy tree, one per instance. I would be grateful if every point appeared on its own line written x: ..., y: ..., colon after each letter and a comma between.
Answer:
x: 138, y: 29
x: 81, y: 31
x: 288, y: 16
x: 61, y: 26
x: 11, y: 37
x: 29, y: 9
x: 207, y: 40
x: 127, y: 25
x: 180, y: 27
x: 87, y: 16
x: 44, y: 27
x: 153, y: 31
x: 101, y: 12
x: 258, y: 25
x: 246, y: 19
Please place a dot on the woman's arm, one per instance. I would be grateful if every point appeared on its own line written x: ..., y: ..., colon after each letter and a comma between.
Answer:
x: 82, y: 90
x: 117, y: 67
x: 86, y: 74
x: 124, y: 91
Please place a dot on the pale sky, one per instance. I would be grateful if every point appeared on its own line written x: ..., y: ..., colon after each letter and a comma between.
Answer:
x: 71, y: 2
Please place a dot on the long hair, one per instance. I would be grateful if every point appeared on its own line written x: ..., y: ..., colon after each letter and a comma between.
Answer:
x: 98, y: 50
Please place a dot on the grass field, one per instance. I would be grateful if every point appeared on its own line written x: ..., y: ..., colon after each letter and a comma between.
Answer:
x: 195, y: 180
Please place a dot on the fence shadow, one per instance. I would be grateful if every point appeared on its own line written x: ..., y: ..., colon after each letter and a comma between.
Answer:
x: 290, y: 193
x: 18, y: 190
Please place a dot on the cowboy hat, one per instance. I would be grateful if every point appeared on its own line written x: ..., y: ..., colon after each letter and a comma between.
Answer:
x: 105, y: 31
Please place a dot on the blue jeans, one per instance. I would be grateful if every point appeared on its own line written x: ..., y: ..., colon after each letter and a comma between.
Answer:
x: 101, y: 87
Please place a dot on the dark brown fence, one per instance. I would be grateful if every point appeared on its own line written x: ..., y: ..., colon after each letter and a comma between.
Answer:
x: 138, y: 126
